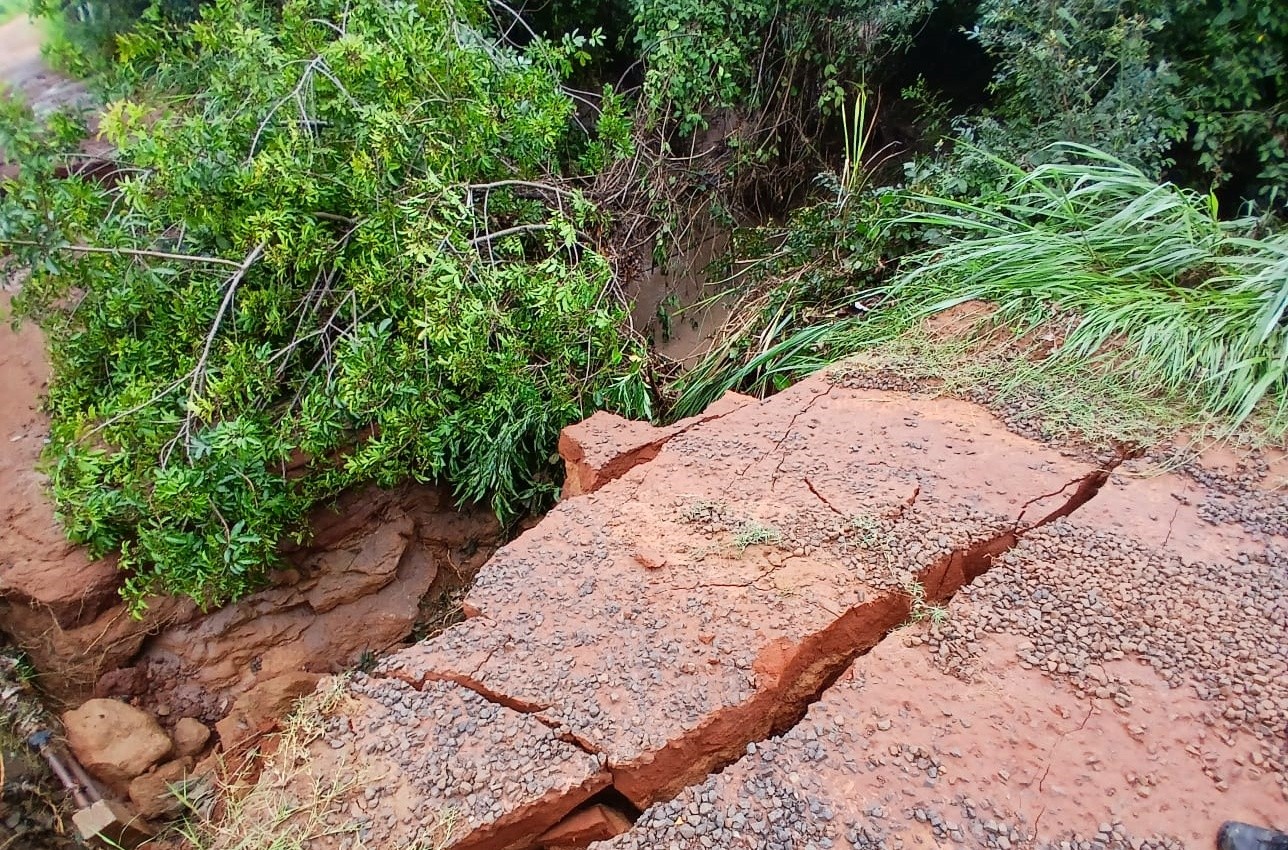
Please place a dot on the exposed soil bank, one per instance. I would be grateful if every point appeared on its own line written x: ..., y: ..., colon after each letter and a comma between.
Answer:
x: 381, y: 565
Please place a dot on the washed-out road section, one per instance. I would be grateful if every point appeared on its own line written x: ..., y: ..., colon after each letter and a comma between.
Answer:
x: 841, y: 617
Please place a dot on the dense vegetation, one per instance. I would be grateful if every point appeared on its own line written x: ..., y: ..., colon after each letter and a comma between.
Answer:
x: 383, y: 239
x: 334, y: 259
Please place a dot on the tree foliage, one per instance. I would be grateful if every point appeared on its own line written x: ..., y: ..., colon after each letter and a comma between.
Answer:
x: 339, y: 247
x: 708, y: 55
x: 1161, y: 83
x: 345, y: 242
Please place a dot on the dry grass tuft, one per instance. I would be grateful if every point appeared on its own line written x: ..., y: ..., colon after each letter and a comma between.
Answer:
x: 270, y: 800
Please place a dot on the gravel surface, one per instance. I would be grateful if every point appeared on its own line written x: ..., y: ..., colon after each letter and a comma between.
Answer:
x: 657, y: 632
x: 1081, y: 598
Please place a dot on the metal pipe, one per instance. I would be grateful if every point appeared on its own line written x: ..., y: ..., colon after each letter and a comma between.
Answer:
x: 91, y: 787
x: 39, y: 741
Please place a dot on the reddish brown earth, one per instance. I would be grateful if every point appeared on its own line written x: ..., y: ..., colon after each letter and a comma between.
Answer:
x: 38, y: 565
x: 1119, y: 659
x: 379, y: 564
x: 24, y: 72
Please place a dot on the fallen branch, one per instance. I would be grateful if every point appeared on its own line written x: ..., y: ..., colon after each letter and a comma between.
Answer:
x: 509, y: 231
x: 199, y: 371
x: 131, y: 252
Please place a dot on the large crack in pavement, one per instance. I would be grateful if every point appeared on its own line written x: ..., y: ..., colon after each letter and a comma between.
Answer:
x: 801, y: 674
x: 793, y: 676
x: 596, y: 629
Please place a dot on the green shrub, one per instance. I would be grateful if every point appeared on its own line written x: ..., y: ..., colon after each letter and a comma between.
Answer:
x: 80, y: 35
x: 1083, y: 71
x: 339, y: 249
x: 703, y: 56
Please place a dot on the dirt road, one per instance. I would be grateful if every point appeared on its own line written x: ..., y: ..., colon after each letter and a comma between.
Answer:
x: 24, y: 70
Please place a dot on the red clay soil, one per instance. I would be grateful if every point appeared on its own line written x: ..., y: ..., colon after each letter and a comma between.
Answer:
x: 23, y: 70
x: 1118, y: 660
x: 37, y: 564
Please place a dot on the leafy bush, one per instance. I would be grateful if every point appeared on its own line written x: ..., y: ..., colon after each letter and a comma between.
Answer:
x: 337, y: 249
x: 1080, y: 71
x: 1232, y: 62
x: 80, y: 37
x: 708, y: 55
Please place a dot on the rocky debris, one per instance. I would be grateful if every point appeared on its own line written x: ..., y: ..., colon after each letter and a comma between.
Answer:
x: 190, y: 736
x: 606, y: 446
x: 259, y: 709
x: 350, y: 598
x: 108, y: 822
x: 122, y: 682
x: 152, y: 793
x: 597, y: 822
x: 368, y: 590
x: 115, y: 741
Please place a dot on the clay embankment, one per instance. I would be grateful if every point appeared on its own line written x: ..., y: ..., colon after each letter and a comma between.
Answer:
x: 692, y: 639
x: 380, y: 565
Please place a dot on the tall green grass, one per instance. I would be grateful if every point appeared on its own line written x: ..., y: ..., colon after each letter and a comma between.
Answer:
x: 1160, y: 283
x: 1172, y: 300
x: 783, y: 356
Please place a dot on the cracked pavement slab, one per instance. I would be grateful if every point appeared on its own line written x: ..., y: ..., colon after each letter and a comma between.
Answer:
x: 659, y: 640
x: 706, y: 596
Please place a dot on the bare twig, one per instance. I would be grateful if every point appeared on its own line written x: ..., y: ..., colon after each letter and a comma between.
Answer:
x: 131, y: 252
x: 509, y: 231
x: 199, y: 371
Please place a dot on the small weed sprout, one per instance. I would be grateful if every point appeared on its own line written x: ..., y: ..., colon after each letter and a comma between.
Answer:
x: 878, y: 539
x: 753, y: 533
x: 937, y: 614
x: 867, y: 529
x: 442, y: 831
x: 921, y: 610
